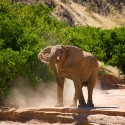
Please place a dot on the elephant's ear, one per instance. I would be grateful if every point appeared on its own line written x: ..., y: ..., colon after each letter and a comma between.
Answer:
x: 44, y: 54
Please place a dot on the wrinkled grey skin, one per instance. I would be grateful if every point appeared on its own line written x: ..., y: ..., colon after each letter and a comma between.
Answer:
x: 74, y: 64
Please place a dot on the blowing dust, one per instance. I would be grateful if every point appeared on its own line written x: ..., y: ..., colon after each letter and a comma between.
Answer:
x: 45, y: 96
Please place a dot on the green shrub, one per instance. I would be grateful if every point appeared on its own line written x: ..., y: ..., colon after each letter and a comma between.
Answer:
x: 107, y: 45
x: 24, y: 31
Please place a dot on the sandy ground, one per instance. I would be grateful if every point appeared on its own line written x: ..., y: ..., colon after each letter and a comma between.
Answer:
x: 109, y: 100
x: 31, y: 122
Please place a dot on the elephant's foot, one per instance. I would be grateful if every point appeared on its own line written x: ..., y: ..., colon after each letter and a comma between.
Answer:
x: 82, y: 105
x: 59, y: 105
x: 90, y: 105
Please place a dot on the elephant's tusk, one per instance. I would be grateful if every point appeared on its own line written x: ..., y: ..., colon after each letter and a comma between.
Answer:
x: 57, y: 57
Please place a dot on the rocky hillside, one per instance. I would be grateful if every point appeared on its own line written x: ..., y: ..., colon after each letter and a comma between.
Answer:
x: 103, y: 7
x: 90, y: 13
x: 98, y: 13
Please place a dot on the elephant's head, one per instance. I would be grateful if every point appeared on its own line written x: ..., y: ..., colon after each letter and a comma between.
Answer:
x: 53, y: 55
x: 57, y: 55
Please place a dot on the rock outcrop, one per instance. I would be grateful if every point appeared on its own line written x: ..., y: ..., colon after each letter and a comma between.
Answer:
x: 111, y: 82
x: 76, y: 116
x: 81, y: 12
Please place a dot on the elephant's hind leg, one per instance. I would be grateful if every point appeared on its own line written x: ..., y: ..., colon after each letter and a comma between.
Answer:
x: 90, y: 87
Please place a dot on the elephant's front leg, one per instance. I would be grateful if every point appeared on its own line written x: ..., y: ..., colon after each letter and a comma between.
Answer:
x: 60, y: 87
x: 79, y: 93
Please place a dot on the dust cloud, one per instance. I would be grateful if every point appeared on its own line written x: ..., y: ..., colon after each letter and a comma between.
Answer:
x: 24, y: 96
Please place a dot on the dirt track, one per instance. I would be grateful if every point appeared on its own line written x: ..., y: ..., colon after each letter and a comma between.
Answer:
x: 110, y: 111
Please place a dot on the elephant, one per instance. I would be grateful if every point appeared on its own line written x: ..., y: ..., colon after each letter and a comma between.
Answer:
x: 71, y: 62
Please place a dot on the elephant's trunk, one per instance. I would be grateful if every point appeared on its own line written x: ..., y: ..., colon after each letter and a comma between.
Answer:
x: 52, y: 63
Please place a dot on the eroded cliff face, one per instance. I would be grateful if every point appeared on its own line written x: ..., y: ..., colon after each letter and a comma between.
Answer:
x: 105, y: 14
x: 103, y: 7
x: 98, y: 13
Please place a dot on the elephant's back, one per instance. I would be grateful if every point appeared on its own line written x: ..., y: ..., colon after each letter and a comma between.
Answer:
x: 86, y: 54
x: 89, y: 58
x: 89, y: 63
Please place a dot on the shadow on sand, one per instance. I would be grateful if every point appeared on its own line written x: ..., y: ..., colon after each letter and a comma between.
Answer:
x: 102, y: 108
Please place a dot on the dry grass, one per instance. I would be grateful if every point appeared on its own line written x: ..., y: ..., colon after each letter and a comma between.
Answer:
x: 82, y: 16
x: 108, y: 69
